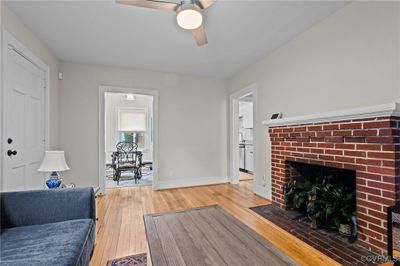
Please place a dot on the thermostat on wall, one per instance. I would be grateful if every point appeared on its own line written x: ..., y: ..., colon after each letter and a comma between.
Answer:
x: 276, y: 116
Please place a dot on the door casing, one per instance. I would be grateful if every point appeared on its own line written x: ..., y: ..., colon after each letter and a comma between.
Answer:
x: 234, y: 132
x: 102, y: 159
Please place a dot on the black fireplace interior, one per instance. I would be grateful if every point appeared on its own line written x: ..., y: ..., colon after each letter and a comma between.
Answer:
x: 317, y: 174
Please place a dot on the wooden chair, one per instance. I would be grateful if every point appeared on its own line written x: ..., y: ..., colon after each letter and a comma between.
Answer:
x: 127, y: 159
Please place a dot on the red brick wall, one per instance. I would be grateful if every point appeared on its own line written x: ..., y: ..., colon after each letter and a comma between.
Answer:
x: 369, y: 146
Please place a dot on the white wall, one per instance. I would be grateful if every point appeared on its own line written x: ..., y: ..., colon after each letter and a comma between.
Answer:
x: 1, y: 94
x: 351, y: 59
x: 114, y: 101
x: 192, y: 121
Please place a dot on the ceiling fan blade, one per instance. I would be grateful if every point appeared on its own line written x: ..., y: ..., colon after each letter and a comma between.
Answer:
x: 206, y: 3
x: 200, y: 36
x: 149, y: 4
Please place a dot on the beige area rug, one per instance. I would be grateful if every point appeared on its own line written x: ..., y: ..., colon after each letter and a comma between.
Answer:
x: 207, y: 236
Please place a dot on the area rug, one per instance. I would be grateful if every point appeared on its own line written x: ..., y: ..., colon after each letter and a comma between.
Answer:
x: 207, y: 236
x: 133, y: 260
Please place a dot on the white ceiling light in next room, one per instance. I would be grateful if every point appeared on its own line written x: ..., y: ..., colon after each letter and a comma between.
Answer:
x: 130, y: 97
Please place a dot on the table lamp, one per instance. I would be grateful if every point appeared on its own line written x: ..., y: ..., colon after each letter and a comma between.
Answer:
x: 53, y: 162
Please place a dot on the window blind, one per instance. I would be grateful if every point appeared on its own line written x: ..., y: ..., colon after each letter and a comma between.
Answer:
x: 131, y: 120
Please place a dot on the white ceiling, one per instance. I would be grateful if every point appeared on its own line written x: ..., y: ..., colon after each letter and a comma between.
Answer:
x: 102, y: 32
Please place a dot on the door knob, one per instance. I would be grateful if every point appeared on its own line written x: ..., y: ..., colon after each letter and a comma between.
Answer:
x: 11, y: 153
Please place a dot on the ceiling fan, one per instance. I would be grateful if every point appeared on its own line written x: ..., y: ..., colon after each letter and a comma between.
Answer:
x: 188, y: 14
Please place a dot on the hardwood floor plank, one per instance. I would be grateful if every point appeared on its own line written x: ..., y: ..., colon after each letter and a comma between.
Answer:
x: 121, y: 232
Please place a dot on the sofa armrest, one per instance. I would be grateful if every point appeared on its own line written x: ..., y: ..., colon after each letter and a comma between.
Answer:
x: 46, y: 206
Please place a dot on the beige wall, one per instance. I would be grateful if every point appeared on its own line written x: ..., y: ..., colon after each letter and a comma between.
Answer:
x: 192, y: 121
x: 351, y: 59
x: 1, y: 94
x: 14, y: 25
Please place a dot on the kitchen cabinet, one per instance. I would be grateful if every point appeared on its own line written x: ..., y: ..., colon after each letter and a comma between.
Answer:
x: 241, y: 157
x: 249, y: 161
x: 247, y: 114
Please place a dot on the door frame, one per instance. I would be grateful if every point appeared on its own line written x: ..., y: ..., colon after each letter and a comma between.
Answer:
x: 102, y: 160
x: 234, y: 132
x: 10, y: 42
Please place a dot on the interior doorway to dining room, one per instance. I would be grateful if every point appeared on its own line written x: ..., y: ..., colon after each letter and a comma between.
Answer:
x: 128, y: 139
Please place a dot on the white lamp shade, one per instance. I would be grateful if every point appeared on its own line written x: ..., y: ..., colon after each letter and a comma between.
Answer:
x: 54, y: 161
x: 132, y: 121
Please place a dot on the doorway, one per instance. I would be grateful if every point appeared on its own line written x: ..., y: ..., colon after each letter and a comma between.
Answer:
x: 243, y: 135
x: 128, y: 121
x: 128, y: 137
x: 24, y: 120
x: 246, y: 137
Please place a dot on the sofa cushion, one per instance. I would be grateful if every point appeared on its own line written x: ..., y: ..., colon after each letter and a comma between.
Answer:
x: 63, y: 243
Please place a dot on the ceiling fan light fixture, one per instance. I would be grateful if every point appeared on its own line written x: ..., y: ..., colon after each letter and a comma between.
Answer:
x: 189, y: 17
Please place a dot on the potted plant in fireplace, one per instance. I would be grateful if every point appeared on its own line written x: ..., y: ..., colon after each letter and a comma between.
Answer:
x: 315, y: 206
x: 340, y: 208
x: 325, y: 203
x: 296, y: 194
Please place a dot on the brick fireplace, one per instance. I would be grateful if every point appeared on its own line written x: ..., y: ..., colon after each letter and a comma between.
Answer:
x: 370, y: 146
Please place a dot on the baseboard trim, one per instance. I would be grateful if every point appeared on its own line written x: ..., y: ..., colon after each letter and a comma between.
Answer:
x: 261, y: 191
x: 191, y: 182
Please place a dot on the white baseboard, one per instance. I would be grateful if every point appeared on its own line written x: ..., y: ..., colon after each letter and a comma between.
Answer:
x: 262, y: 191
x: 202, y: 181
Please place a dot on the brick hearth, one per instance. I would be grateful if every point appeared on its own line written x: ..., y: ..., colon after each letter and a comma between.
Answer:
x: 369, y: 146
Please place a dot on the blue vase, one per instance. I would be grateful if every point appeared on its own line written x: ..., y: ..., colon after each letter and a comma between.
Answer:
x: 54, y: 181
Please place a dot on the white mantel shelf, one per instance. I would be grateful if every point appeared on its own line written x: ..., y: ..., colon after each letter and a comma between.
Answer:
x: 383, y: 110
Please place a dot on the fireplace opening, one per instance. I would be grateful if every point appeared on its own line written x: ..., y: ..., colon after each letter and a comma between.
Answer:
x: 324, y: 196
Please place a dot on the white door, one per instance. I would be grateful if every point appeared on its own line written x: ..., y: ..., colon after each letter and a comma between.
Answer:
x: 24, y: 122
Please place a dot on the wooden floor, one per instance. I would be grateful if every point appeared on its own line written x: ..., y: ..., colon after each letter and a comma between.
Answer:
x: 121, y: 228
x: 245, y: 176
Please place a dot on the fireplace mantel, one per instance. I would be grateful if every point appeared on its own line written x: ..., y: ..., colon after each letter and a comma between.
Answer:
x: 383, y: 110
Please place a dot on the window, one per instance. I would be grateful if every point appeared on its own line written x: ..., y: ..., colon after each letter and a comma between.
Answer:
x: 132, y: 125
x: 135, y: 137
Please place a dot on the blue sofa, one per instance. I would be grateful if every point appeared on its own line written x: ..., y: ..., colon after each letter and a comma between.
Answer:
x: 47, y: 227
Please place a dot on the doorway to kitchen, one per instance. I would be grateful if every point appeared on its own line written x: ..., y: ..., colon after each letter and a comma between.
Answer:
x: 243, y: 134
x: 128, y: 137
x: 246, y: 137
